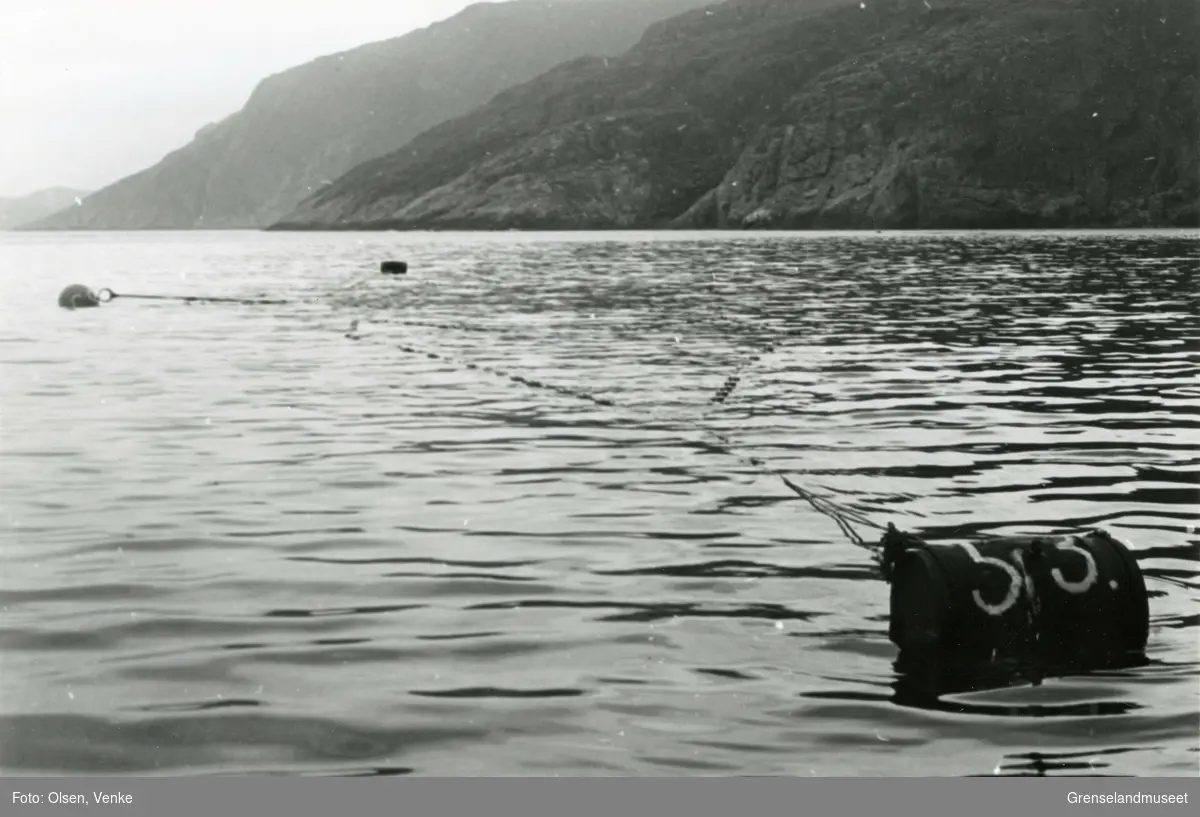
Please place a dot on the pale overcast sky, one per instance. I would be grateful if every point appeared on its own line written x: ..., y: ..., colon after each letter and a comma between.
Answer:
x: 93, y: 90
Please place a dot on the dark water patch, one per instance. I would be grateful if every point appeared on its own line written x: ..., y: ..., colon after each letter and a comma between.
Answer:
x: 739, y: 748
x: 320, y: 511
x: 414, y: 561
x: 461, y: 586
x: 274, y: 534
x: 1183, y: 553
x: 150, y: 627
x: 730, y: 568
x: 383, y: 771
x: 876, y: 645
x: 38, y: 743
x: 1180, y: 622
x: 688, y: 764
x: 727, y: 674
x: 82, y: 593
x: 335, y: 652
x: 645, y: 613
x: 461, y: 636
x: 1179, y: 578
x: 201, y: 706
x: 1045, y: 764
x: 465, y: 578
x: 498, y: 692
x: 343, y: 611
x: 131, y: 544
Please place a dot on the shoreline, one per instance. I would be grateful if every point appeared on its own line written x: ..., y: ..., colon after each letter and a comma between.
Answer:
x: 375, y: 227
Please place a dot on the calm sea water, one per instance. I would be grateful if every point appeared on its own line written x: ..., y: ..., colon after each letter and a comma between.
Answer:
x: 236, y: 540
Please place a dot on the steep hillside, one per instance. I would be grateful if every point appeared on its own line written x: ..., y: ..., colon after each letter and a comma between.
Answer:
x: 23, y: 209
x: 306, y: 126
x: 823, y: 113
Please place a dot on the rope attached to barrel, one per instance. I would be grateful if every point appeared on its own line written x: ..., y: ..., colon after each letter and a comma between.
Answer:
x: 105, y: 295
x: 841, y: 515
x: 773, y: 345
x: 537, y: 384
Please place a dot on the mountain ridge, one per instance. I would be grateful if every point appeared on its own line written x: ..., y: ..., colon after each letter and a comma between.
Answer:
x: 822, y: 114
x: 303, y: 127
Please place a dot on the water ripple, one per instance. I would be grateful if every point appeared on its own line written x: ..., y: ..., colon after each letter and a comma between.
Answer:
x: 236, y: 540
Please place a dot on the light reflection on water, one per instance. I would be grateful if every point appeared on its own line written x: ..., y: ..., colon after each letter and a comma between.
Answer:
x: 236, y: 540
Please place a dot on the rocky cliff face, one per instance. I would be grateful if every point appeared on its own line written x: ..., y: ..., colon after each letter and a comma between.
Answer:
x: 820, y: 113
x: 1066, y: 114
x: 306, y: 126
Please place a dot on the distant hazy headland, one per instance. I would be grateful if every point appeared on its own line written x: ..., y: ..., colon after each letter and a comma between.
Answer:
x: 20, y: 210
x: 601, y: 114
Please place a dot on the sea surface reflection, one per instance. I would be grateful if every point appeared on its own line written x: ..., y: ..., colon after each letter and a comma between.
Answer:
x: 237, y: 540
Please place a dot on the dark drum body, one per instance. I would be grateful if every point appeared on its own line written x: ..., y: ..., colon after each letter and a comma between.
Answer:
x: 1061, y: 602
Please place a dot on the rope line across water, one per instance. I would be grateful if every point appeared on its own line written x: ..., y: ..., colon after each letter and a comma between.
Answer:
x: 105, y: 295
x: 840, y: 515
x: 827, y: 507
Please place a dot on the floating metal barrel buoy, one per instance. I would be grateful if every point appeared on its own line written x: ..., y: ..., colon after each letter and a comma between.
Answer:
x: 394, y: 267
x: 77, y: 296
x: 1058, y: 602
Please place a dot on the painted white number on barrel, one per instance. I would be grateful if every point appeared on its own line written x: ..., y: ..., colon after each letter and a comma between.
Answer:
x: 1089, y: 577
x: 1014, y: 583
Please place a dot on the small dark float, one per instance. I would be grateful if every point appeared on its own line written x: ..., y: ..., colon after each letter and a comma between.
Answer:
x: 77, y: 296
